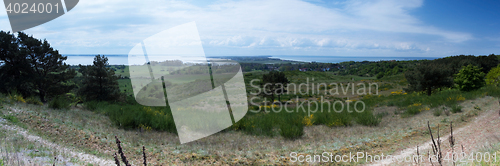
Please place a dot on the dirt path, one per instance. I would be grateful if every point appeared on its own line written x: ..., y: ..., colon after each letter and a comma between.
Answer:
x: 82, y: 157
x: 481, y: 132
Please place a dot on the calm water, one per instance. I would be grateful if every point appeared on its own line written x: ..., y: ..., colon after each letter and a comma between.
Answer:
x: 338, y: 59
x: 88, y: 59
x: 123, y: 59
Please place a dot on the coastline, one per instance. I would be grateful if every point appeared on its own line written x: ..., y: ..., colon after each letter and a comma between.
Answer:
x: 117, y: 59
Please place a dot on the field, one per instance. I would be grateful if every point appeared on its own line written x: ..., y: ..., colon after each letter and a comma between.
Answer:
x: 392, y: 120
x: 91, y: 133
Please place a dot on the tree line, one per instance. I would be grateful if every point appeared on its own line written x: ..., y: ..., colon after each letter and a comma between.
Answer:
x: 31, y: 67
x: 466, y: 72
x: 377, y: 69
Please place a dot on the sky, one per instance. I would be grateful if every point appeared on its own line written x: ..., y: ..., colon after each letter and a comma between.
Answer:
x: 362, y: 28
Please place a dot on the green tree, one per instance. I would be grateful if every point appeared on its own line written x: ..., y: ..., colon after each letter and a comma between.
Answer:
x: 428, y: 76
x: 32, y: 67
x: 99, y: 81
x: 469, y: 78
x: 493, y: 77
x: 274, y: 83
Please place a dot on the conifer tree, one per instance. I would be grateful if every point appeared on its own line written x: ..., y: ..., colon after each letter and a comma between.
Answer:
x: 274, y: 83
x: 99, y: 81
x: 32, y: 67
x: 428, y: 76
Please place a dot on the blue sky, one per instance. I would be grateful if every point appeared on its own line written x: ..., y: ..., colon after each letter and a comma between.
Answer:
x: 393, y: 28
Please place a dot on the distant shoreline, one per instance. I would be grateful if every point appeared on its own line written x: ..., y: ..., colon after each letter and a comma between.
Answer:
x: 117, y: 59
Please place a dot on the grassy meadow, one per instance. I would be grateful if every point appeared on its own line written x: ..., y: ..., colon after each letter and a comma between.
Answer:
x: 266, y: 119
x: 94, y: 124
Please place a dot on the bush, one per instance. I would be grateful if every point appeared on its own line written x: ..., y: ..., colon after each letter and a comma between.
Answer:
x: 14, y: 97
x: 493, y: 76
x: 428, y: 76
x: 456, y: 108
x: 469, y: 78
x: 59, y: 102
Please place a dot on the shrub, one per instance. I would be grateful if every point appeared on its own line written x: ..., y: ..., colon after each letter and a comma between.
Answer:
x: 428, y: 76
x: 14, y: 97
x: 59, y: 102
x: 469, y: 78
x: 493, y: 76
x: 456, y: 108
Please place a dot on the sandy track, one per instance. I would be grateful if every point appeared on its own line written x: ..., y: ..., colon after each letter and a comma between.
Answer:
x: 479, y: 133
x: 87, y: 158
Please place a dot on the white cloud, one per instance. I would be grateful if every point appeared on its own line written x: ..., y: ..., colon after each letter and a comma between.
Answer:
x: 250, y: 24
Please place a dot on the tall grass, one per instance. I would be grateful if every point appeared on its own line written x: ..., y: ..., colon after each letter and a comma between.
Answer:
x: 456, y: 108
x: 2, y: 101
x: 94, y: 105
x: 415, y: 103
x: 290, y: 124
x: 133, y: 116
x: 60, y: 102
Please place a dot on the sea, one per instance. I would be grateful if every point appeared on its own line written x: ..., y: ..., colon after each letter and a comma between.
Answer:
x: 123, y: 59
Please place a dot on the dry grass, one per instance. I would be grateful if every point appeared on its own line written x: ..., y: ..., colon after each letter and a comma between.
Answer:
x: 16, y: 149
x: 93, y: 134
